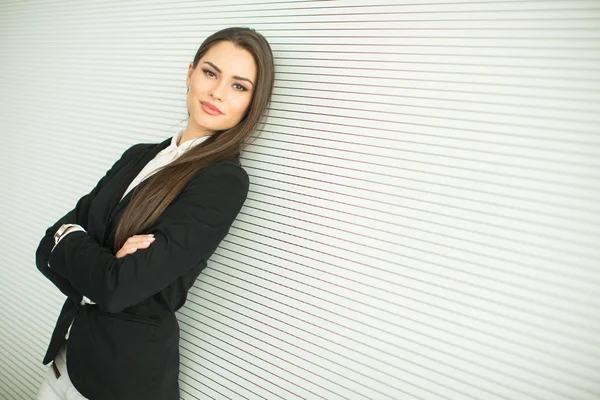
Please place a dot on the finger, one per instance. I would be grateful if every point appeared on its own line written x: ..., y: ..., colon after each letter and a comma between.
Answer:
x: 148, y: 236
x: 128, y: 250
x: 144, y: 243
x: 141, y: 237
x: 135, y: 241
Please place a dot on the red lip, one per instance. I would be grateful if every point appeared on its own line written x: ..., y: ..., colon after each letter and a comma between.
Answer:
x: 207, y: 104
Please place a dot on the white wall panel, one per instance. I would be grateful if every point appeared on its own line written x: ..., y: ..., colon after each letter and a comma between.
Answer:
x: 423, y: 217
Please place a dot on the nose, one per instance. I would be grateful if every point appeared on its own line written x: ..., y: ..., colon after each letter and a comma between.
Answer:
x: 218, y: 90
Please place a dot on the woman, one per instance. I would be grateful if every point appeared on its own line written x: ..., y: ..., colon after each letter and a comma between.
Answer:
x: 129, y: 251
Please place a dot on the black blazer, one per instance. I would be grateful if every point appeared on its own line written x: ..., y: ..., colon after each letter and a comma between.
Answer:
x: 126, y: 346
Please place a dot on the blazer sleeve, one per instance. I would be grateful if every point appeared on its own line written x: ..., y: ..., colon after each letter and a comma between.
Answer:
x: 186, y: 234
x: 78, y: 215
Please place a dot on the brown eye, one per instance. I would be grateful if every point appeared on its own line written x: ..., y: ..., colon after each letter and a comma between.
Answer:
x: 242, y: 88
x: 209, y: 71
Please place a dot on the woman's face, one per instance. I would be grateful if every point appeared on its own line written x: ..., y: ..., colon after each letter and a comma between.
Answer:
x: 223, y: 78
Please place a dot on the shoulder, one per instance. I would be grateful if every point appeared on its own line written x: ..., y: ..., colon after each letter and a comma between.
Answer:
x: 227, y: 169
x: 142, y: 147
x: 138, y: 147
x: 219, y: 190
x: 134, y: 150
x: 225, y: 177
x: 231, y: 166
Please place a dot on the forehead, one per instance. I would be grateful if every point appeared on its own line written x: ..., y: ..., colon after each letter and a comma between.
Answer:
x: 231, y: 60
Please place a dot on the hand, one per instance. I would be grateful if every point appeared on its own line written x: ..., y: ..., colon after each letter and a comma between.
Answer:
x: 135, y: 242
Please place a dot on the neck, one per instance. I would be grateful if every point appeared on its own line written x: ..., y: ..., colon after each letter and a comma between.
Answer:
x: 190, y: 133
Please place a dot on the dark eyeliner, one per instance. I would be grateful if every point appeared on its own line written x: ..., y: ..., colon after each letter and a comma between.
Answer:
x: 243, y: 88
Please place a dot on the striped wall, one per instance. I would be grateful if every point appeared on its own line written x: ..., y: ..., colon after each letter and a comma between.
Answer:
x: 423, y: 219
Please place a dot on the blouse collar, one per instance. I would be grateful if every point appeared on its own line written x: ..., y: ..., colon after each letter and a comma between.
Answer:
x: 178, y: 150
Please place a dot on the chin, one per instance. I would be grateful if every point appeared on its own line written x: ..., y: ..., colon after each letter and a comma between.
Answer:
x: 206, y: 126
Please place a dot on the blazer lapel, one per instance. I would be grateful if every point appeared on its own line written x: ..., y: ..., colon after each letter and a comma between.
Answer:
x: 122, y: 182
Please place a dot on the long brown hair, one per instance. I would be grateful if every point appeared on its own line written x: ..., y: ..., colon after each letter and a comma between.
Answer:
x: 164, y: 186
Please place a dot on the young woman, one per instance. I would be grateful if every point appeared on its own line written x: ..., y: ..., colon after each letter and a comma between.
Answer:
x: 130, y: 250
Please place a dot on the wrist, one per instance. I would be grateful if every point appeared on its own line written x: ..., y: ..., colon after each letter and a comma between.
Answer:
x: 64, y: 229
x: 70, y: 229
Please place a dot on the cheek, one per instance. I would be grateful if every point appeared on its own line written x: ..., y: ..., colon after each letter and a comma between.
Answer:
x: 239, y: 106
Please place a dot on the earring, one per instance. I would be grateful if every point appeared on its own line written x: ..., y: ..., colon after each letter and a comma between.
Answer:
x: 188, y: 88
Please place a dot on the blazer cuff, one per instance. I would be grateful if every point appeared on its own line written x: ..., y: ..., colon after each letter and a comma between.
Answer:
x: 75, y: 227
x: 54, y: 260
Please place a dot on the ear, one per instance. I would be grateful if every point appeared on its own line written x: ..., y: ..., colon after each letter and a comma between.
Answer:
x: 188, y: 77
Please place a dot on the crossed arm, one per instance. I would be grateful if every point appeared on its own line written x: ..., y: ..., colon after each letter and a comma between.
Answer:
x: 78, y: 215
x: 186, y: 234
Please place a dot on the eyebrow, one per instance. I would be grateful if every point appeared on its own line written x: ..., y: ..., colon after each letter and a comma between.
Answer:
x: 235, y: 77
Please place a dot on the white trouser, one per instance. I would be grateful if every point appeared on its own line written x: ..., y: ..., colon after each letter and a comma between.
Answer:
x: 61, y: 388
